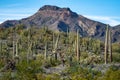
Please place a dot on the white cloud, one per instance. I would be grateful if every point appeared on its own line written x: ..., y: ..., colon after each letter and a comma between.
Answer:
x: 105, y: 19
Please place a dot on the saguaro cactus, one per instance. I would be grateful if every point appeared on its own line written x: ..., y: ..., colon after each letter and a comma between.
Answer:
x: 0, y: 48
x: 16, y: 49
x: 53, y: 40
x: 45, y: 55
x: 29, y: 45
x: 78, y: 51
x: 13, y: 49
x: 55, y: 47
x: 108, y: 46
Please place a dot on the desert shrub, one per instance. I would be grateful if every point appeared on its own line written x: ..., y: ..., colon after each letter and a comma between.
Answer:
x: 112, y: 74
x: 116, y: 47
x: 81, y: 73
x: 51, y: 63
x: 116, y: 57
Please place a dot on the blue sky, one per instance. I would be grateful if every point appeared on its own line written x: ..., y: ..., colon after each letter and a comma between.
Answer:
x: 106, y: 11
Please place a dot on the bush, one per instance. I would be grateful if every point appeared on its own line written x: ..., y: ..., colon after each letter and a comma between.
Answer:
x: 112, y: 74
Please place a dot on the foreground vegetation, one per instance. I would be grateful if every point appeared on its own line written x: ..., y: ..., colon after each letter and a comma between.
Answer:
x: 27, y: 54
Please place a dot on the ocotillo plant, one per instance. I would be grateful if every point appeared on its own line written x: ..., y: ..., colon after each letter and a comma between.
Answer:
x: 106, y: 45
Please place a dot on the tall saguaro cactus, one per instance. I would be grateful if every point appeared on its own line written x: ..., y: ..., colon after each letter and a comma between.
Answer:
x: 55, y: 47
x: 108, y: 47
x: 0, y: 48
x: 45, y: 55
x: 78, y: 52
x: 16, y: 49
x: 29, y: 45
x: 53, y: 40
x: 13, y: 49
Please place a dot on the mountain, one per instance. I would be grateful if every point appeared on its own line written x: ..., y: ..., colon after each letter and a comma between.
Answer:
x: 62, y: 19
x: 116, y: 33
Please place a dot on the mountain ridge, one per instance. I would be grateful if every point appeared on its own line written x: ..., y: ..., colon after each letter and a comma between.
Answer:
x: 61, y: 19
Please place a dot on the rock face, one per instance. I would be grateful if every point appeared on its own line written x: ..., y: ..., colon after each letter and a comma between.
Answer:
x: 62, y: 19
x: 116, y: 33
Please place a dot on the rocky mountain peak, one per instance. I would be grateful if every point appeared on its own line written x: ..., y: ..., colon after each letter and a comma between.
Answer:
x: 55, y: 8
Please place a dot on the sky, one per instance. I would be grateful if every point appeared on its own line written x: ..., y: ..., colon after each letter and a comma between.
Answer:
x: 105, y: 11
